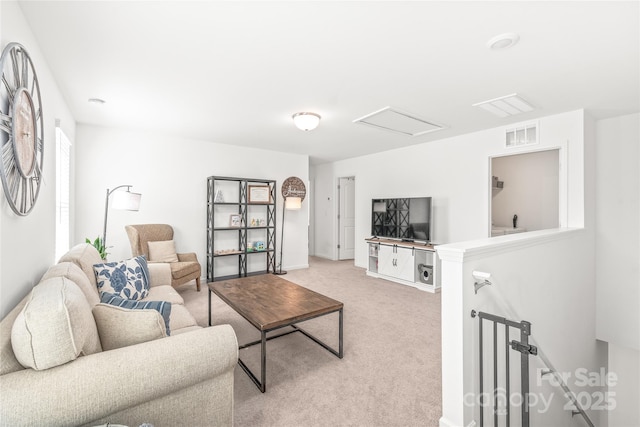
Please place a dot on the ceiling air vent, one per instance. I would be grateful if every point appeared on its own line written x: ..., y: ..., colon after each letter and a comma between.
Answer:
x: 397, y: 121
x: 505, y: 106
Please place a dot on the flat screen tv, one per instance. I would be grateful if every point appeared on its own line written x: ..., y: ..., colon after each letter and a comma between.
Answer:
x: 402, y: 218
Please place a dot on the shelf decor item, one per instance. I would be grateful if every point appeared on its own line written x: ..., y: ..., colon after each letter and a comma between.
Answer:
x: 219, y: 198
x: 235, y: 220
x: 259, y: 194
x: 293, y: 192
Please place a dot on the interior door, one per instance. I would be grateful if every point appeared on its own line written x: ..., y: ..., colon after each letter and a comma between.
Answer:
x: 346, y: 218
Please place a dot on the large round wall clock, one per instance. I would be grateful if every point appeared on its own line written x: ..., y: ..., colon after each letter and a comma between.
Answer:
x: 21, y: 129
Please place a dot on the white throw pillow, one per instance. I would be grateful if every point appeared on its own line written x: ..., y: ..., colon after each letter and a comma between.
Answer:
x: 55, y: 326
x: 162, y: 251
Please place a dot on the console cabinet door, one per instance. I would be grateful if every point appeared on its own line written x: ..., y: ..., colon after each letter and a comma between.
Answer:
x: 395, y: 261
x: 386, y: 260
x: 404, y: 264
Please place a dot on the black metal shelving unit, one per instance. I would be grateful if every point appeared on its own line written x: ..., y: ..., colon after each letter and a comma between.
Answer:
x: 235, y: 192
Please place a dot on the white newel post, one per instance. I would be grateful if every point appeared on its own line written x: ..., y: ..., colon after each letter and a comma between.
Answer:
x: 457, y: 340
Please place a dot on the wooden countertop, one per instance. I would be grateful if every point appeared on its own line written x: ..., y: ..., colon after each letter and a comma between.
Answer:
x: 417, y: 245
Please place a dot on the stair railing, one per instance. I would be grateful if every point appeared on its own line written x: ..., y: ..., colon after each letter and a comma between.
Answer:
x: 525, y: 348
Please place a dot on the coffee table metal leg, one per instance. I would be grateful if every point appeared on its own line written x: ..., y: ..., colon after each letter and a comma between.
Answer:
x: 263, y: 356
x: 210, y: 307
x: 262, y: 382
x: 340, y: 345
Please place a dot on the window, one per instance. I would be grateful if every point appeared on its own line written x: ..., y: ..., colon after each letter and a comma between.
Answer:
x: 63, y: 171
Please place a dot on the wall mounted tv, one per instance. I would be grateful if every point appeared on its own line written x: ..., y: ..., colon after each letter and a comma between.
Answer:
x: 404, y: 218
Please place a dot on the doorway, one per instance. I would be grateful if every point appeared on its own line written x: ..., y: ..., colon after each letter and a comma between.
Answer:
x: 346, y: 217
x: 525, y: 192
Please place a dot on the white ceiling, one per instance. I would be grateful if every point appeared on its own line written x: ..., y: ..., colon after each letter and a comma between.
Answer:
x: 234, y: 72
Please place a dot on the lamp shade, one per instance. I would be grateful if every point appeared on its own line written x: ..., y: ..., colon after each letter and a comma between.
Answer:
x: 306, y: 121
x: 293, y: 203
x: 126, y: 200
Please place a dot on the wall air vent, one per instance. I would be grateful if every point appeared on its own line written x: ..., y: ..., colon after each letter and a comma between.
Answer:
x: 397, y: 121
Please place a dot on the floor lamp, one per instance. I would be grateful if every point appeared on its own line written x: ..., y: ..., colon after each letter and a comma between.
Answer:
x: 293, y: 192
x: 125, y: 200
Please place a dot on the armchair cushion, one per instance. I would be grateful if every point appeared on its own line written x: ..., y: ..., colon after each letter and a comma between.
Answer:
x: 182, y: 269
x: 162, y: 251
x: 55, y: 326
x: 128, y: 279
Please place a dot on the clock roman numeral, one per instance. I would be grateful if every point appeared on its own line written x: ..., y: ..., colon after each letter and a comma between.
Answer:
x: 7, y: 154
x: 6, y: 128
x: 25, y: 69
x: 16, y: 68
x: 10, y: 91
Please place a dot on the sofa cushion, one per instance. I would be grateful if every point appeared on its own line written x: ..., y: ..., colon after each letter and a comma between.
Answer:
x: 164, y: 293
x: 181, y: 318
x: 127, y: 279
x: 74, y: 273
x: 84, y: 256
x: 8, y: 361
x: 122, y: 327
x: 163, y: 307
x: 162, y: 251
x: 55, y: 326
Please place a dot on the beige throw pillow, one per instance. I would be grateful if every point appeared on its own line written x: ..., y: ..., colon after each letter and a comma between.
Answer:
x: 55, y: 326
x: 122, y: 327
x: 162, y: 251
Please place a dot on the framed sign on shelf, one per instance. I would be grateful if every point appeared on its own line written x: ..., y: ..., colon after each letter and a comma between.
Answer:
x: 259, y: 194
x: 235, y: 220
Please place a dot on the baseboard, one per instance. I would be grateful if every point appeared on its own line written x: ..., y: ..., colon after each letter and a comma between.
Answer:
x: 446, y: 423
x: 296, y: 267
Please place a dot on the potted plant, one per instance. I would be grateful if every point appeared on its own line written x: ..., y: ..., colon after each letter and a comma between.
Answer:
x: 98, y: 243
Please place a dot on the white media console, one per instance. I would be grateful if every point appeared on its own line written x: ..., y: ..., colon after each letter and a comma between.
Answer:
x: 408, y: 263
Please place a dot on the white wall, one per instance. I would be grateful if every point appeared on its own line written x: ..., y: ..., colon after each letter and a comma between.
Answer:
x: 27, y: 244
x: 618, y: 258
x: 531, y: 190
x: 171, y: 174
x: 455, y: 172
x: 624, y: 362
x: 618, y: 230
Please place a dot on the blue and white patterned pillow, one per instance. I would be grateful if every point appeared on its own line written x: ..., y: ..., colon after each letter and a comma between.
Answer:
x: 127, y: 279
x: 164, y: 307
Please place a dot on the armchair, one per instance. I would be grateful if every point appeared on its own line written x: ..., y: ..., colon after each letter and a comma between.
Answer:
x: 184, y: 267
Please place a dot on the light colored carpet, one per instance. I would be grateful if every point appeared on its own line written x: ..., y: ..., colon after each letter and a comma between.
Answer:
x: 391, y: 371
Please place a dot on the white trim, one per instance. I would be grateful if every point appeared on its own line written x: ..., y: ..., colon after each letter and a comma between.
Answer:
x: 463, y: 251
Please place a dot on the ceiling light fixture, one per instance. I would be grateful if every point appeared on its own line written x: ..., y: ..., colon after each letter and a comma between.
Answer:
x: 306, y: 121
x: 503, y: 41
x: 505, y: 106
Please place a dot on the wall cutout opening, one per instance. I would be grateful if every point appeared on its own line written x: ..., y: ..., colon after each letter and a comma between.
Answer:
x: 525, y: 192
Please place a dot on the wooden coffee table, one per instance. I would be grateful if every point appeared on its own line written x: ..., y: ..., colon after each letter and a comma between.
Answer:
x: 269, y: 303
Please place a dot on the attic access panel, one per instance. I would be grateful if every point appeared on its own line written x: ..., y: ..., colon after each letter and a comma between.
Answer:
x: 397, y: 121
